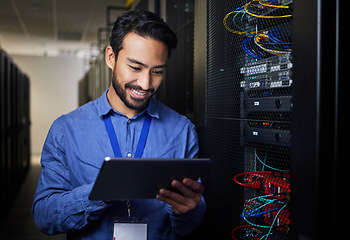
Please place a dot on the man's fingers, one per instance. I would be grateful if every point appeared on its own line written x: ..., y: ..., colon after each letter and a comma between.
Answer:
x: 190, y: 196
x: 173, y: 199
x: 194, y: 185
x: 174, y: 196
x: 186, y: 191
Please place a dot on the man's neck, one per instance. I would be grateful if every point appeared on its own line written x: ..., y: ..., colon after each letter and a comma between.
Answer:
x: 118, y: 105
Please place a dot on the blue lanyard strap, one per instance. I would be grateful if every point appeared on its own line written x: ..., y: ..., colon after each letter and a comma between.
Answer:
x: 143, y: 136
x: 114, y: 141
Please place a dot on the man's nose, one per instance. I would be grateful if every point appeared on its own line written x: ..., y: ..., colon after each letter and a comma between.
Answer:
x: 145, y: 80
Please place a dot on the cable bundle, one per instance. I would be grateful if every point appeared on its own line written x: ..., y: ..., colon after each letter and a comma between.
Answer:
x: 266, y: 214
x: 275, y: 183
x: 263, y: 43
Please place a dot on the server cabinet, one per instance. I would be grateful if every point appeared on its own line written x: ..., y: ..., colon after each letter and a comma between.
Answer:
x: 274, y: 95
x: 15, y: 130
x: 3, y: 161
x: 248, y: 118
x: 176, y: 90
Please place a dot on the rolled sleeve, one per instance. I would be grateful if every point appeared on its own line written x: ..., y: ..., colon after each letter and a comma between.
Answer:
x: 186, y: 223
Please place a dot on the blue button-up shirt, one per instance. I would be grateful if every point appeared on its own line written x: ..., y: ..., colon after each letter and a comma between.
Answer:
x: 74, y: 150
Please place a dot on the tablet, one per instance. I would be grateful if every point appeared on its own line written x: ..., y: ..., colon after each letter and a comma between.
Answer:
x: 141, y: 178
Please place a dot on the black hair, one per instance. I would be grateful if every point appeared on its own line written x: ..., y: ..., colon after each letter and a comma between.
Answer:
x: 143, y: 23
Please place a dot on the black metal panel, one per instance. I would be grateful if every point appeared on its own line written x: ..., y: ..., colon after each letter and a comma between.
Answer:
x: 317, y: 120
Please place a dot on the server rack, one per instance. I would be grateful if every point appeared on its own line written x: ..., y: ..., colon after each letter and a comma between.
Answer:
x: 176, y: 90
x: 95, y: 81
x: 273, y: 101
x: 15, y: 130
x: 248, y: 117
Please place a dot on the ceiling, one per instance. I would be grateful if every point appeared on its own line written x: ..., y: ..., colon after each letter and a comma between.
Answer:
x: 53, y: 27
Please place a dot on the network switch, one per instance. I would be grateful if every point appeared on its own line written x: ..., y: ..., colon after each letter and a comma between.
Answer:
x: 268, y: 65
x: 266, y: 81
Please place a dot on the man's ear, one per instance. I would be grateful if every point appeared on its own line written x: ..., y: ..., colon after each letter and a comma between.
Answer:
x: 110, y: 58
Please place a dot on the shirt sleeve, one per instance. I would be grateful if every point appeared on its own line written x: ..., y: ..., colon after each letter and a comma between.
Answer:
x: 186, y: 223
x: 57, y: 206
x: 192, y: 142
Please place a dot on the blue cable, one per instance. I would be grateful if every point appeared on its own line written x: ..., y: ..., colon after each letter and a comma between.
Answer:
x: 269, y: 233
x: 264, y: 164
x: 273, y: 37
x: 233, y: 20
x: 245, y: 48
x: 266, y: 202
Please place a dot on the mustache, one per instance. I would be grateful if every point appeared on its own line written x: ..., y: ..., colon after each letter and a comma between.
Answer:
x: 136, y: 87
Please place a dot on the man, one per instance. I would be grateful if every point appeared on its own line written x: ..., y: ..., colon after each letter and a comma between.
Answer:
x: 77, y: 143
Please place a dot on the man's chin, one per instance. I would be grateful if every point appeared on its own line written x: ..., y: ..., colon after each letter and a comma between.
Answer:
x: 137, y: 104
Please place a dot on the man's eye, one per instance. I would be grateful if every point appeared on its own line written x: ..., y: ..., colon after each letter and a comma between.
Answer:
x: 157, y: 72
x: 135, y: 68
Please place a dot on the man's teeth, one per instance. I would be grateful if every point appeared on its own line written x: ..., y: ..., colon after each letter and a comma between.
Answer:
x: 138, y: 93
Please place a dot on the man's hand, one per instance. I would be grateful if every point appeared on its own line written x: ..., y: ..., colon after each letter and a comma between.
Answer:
x: 191, y: 195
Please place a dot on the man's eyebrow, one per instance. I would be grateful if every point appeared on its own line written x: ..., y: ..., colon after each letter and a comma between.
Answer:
x: 145, y: 65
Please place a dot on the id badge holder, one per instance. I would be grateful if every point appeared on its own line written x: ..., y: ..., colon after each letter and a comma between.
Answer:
x: 130, y: 229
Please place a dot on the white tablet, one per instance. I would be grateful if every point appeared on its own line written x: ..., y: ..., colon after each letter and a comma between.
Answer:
x: 141, y: 178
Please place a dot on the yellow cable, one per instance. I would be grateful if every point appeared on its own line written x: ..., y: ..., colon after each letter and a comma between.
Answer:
x: 261, y: 16
x: 234, y: 31
x: 271, y: 5
x: 261, y: 38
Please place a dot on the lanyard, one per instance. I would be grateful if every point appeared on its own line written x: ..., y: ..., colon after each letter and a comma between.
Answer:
x: 114, y: 141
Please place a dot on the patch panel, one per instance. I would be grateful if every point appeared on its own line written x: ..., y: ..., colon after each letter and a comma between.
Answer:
x: 268, y: 65
x: 266, y: 81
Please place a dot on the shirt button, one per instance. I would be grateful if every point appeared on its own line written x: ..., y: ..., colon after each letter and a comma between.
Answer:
x: 129, y: 121
x: 129, y: 155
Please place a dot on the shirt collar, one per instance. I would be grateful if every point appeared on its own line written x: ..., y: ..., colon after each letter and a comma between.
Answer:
x: 104, y: 107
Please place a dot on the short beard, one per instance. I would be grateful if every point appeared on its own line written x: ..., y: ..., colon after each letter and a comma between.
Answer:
x: 139, y: 105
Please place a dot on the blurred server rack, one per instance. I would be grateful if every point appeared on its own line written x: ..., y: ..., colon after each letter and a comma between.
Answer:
x: 15, y: 129
x: 95, y: 81
x: 272, y: 107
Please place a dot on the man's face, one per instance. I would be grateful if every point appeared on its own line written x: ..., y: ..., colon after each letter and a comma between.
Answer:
x: 139, y: 70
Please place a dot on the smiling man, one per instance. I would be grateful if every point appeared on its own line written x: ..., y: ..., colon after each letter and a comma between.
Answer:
x: 77, y: 143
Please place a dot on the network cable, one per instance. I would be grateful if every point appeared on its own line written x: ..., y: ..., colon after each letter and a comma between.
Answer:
x: 245, y: 7
x: 254, y: 205
x: 262, y: 39
x: 268, y: 166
